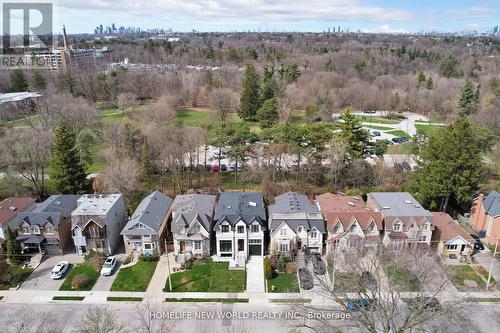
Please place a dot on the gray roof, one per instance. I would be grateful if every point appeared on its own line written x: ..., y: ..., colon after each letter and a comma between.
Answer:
x: 151, y: 213
x: 244, y: 206
x: 189, y: 208
x: 491, y: 203
x: 398, y: 204
x: 295, y: 210
x: 30, y: 239
x: 50, y: 210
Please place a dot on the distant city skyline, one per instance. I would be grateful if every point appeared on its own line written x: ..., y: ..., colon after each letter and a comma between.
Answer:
x: 388, y: 16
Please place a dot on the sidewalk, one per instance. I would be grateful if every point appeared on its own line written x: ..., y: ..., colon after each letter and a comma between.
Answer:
x: 484, y: 259
x: 159, y: 279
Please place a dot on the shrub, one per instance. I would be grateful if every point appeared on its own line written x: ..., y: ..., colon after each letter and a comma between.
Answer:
x: 273, y: 260
x: 79, y: 281
x: 282, y: 263
x: 291, y: 267
x: 96, y: 263
x: 203, y: 260
x: 188, y: 264
x: 153, y: 258
x: 268, y: 270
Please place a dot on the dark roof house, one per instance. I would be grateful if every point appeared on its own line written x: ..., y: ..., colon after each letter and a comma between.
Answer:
x: 244, y: 206
x: 189, y: 208
x: 295, y: 209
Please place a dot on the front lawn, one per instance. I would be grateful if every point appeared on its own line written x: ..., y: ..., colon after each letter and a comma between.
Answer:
x: 209, y: 277
x: 68, y: 298
x: 458, y: 274
x: 344, y: 282
x: 402, y: 278
x: 135, y: 278
x: 380, y: 128
x: 399, y: 133
x: 15, y: 275
x: 283, y: 283
x: 82, y: 278
x: 428, y: 130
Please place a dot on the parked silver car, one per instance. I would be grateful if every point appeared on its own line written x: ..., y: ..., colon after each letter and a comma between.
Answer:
x: 59, y: 270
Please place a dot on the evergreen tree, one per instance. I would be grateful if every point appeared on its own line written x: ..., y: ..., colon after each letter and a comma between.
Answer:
x: 268, y: 113
x: 146, y: 166
x: 18, y: 81
x: 250, y: 94
x: 66, y: 83
x: 270, y: 88
x: 311, y: 111
x: 420, y: 79
x: 354, y: 134
x: 11, y: 245
x: 39, y: 82
x: 469, y: 99
x: 429, y: 84
x: 449, y: 166
x: 66, y: 171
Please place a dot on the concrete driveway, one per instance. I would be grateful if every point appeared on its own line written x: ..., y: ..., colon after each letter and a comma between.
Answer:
x: 40, y: 278
x: 104, y: 283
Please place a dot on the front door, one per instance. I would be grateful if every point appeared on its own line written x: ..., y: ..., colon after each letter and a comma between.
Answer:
x: 82, y: 250
x: 241, y: 245
x: 463, y: 248
x: 183, y: 247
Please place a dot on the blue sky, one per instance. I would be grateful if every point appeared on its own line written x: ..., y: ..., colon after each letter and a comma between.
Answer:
x: 269, y: 15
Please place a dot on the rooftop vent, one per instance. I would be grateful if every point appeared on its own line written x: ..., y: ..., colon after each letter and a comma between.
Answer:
x: 417, y: 206
x: 252, y: 204
x: 350, y: 203
x: 408, y: 202
x: 386, y: 207
x: 12, y: 208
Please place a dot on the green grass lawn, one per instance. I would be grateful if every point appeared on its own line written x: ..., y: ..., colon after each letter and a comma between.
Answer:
x: 400, y: 133
x: 14, y: 276
x: 402, y: 278
x: 405, y: 148
x: 68, y: 298
x: 283, y: 283
x: 206, y: 300
x: 209, y: 277
x: 124, y: 299
x: 380, y: 128
x: 344, y: 282
x: 428, y: 130
x: 431, y: 122
x: 459, y: 273
x: 377, y: 120
x: 83, y: 268
x: 135, y: 278
x: 196, y: 118
x: 112, y: 113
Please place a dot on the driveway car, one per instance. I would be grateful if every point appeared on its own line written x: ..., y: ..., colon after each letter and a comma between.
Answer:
x: 223, y: 168
x: 109, y: 266
x: 357, y: 304
x: 59, y: 270
x: 478, y: 246
x: 376, y: 133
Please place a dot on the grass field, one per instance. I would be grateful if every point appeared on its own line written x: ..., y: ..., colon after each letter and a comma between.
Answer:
x: 135, y: 278
x: 377, y: 120
x: 14, y: 276
x: 402, y: 278
x: 459, y: 273
x: 380, y: 128
x: 428, y: 130
x: 86, y: 269
x: 405, y: 148
x: 283, y: 283
x: 399, y: 133
x: 431, y: 122
x: 209, y: 277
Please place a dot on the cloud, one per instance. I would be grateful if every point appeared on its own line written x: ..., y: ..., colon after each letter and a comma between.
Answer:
x: 473, y: 27
x: 385, y: 29
x: 248, y: 10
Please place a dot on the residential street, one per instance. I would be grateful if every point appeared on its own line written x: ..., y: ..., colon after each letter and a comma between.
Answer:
x: 484, y: 259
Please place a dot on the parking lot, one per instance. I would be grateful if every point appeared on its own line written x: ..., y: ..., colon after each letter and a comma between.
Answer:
x: 40, y: 278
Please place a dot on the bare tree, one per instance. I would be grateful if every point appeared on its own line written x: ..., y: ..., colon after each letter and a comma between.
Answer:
x: 223, y: 100
x: 150, y: 318
x: 100, y: 320
x: 163, y: 110
x: 126, y: 102
x: 122, y: 175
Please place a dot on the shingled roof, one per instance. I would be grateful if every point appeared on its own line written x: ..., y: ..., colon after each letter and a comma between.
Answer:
x: 447, y: 229
x: 491, y: 204
x: 13, y: 205
x: 244, y: 206
x: 189, y: 208
x: 295, y: 209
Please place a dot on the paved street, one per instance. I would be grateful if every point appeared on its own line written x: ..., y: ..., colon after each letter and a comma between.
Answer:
x: 484, y: 259
x: 40, y: 278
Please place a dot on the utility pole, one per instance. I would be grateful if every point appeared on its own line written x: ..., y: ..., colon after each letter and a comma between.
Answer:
x: 168, y: 266
x: 333, y: 264
x: 491, y: 266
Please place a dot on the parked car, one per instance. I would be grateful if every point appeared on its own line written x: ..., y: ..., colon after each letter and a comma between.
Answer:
x: 215, y: 168
x: 370, y: 111
x: 422, y: 302
x: 476, y: 237
x: 306, y: 279
x: 368, y: 280
x: 318, y: 264
x: 109, y: 266
x: 59, y: 270
x: 376, y: 133
x: 478, y: 246
x: 223, y: 168
x: 357, y: 304
x: 208, y: 167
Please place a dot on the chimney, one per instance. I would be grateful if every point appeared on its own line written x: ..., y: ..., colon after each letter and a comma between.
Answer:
x: 65, y: 37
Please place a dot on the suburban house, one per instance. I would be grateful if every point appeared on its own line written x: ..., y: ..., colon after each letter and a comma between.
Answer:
x: 240, y: 225
x: 8, y: 211
x: 350, y: 223
x: 47, y: 228
x: 146, y: 231
x: 190, y: 227
x: 295, y: 223
x: 406, y: 222
x: 449, y: 238
x: 485, y: 217
x: 97, y: 221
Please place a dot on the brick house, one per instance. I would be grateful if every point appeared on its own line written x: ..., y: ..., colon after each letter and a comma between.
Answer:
x: 485, y: 216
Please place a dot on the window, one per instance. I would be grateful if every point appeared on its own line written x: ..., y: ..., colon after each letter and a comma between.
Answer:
x: 255, y: 241
x: 422, y: 238
x: 36, y: 230
x: 241, y: 229
x: 451, y: 247
x: 25, y: 230
x: 197, y: 245
x: 426, y: 226
x: 314, y: 234
x: 300, y: 228
x: 255, y: 228
x: 226, y: 246
x: 283, y: 232
x: 353, y: 227
x: 371, y: 228
x: 224, y: 228
x: 94, y: 232
x: 49, y: 230
x: 196, y: 228
x: 397, y: 227
x: 284, y: 247
x: 337, y: 228
x: 148, y: 246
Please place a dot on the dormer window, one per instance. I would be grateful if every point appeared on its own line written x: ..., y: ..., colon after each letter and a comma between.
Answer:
x: 353, y: 227
x: 314, y: 234
x: 49, y: 230
x: 426, y: 227
x: 397, y: 227
x: 241, y: 229
x: 255, y: 228
x: 196, y: 228
x: 300, y: 228
x: 25, y: 230
x: 224, y: 228
x: 371, y: 228
x: 283, y: 232
x: 337, y: 228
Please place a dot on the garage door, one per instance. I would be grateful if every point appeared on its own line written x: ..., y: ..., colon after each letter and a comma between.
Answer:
x: 255, y: 247
x: 52, y: 249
